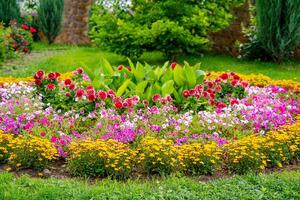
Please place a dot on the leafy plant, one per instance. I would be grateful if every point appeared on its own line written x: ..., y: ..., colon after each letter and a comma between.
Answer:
x: 145, y: 80
x: 50, y: 17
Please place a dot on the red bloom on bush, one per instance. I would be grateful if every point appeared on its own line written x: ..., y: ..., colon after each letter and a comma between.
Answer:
x: 57, y: 74
x: 234, y: 82
x: 39, y: 74
x: 38, y: 82
x: 218, y: 88
x: 210, y: 84
x: 173, y: 65
x: 79, y: 70
x: 91, y: 97
x: 51, y: 87
x: 245, y: 84
x: 169, y: 98
x: 51, y: 76
x: 33, y: 30
x: 118, y: 105
x: 192, y: 92
x: 111, y: 93
x: 68, y: 81
x: 79, y: 93
x: 224, y: 76
x: 156, y: 97
x: 236, y: 77
x: 72, y: 86
x: 68, y: 94
x: 25, y: 50
x: 25, y: 27
x: 221, y: 105
x: 185, y: 93
x: 234, y: 102
x: 120, y: 67
x: 102, y: 95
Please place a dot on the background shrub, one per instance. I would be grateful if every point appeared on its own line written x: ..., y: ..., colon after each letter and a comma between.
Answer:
x: 173, y: 27
x: 9, y: 10
x: 50, y: 18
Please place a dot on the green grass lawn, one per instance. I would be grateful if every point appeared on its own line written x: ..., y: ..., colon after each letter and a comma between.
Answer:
x: 284, y: 185
x: 65, y: 58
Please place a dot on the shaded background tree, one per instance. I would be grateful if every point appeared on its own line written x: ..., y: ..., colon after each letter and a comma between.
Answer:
x: 172, y: 27
x: 9, y: 10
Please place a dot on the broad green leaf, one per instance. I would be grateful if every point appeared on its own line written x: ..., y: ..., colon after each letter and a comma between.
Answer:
x: 200, y: 76
x: 167, y: 88
x: 190, y: 76
x: 179, y: 76
x: 139, y: 72
x: 140, y: 88
x: 107, y: 68
x: 149, y: 92
x: 123, y: 88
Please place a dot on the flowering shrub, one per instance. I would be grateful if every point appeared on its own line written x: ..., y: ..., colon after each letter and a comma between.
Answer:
x: 21, y: 39
x: 157, y: 156
x: 197, y: 158
x: 101, y: 158
x: 5, y: 139
x: 31, y: 152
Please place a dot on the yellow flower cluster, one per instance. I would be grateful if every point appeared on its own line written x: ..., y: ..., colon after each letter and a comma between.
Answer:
x: 4, y: 149
x: 197, y: 158
x: 258, y: 152
x: 157, y: 155
x: 31, y: 152
x: 101, y: 158
x: 4, y: 80
x: 262, y: 80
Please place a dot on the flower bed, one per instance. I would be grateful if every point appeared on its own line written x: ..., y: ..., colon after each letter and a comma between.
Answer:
x: 219, y: 123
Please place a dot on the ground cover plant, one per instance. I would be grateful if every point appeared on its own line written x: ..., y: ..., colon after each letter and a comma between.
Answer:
x: 227, y: 121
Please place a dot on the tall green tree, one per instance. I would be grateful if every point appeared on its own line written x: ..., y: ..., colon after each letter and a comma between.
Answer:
x: 172, y: 27
x: 278, y: 27
x: 50, y: 14
x: 9, y: 10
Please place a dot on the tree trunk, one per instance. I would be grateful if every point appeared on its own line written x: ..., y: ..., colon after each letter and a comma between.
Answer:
x: 75, y: 22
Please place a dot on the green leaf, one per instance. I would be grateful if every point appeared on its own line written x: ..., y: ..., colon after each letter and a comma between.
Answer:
x: 200, y: 76
x: 139, y: 72
x: 107, y: 68
x: 190, y: 76
x: 167, y: 88
x: 123, y: 87
x: 179, y: 76
x: 140, y: 88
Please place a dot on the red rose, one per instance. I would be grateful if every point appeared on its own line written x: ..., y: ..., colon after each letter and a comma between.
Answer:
x: 234, y: 102
x: 25, y: 27
x: 234, y: 82
x: 118, y: 105
x: 90, y: 90
x: 40, y: 73
x: 224, y: 76
x: 33, y: 30
x: 120, y: 67
x: 218, y: 88
x: 185, y: 93
x: 210, y: 84
x: 72, y: 86
x: 111, y: 93
x: 38, y: 82
x: 245, y: 84
x: 91, y: 97
x: 68, y: 81
x: 79, y: 93
x: 51, y: 76
x: 79, y: 70
x: 173, y: 65
x: 156, y: 97
x: 102, y: 95
x: 50, y: 87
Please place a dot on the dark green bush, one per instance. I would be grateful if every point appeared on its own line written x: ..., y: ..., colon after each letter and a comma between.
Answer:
x: 9, y: 10
x: 172, y: 27
x: 50, y: 18
x: 277, y: 32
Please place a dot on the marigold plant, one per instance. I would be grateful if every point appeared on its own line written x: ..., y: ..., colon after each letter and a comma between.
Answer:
x: 5, y: 139
x: 157, y: 156
x: 198, y: 158
x: 31, y: 152
x: 100, y: 158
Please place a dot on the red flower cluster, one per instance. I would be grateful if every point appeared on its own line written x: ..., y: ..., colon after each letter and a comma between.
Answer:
x: 210, y: 89
x: 27, y: 28
x: 163, y: 100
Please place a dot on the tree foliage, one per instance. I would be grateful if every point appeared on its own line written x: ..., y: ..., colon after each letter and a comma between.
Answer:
x: 50, y: 18
x: 172, y: 27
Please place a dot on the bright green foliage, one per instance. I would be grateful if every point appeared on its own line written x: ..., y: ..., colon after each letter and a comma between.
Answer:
x: 50, y: 18
x: 278, y: 30
x: 172, y: 27
x: 9, y: 10
x: 146, y: 80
